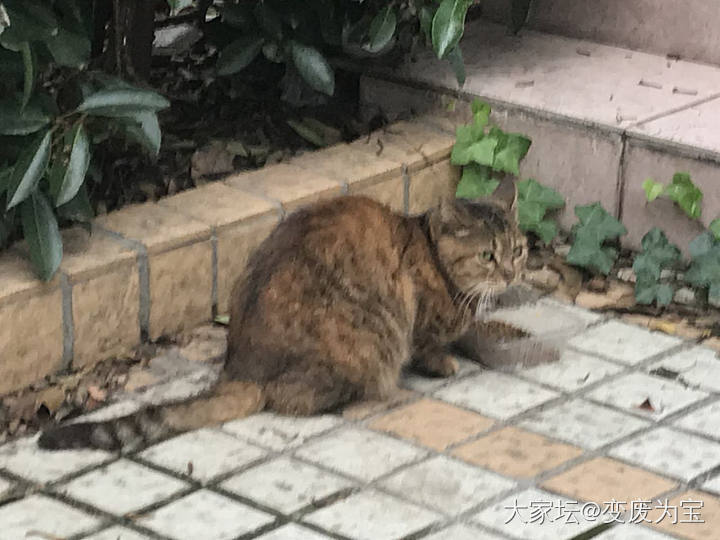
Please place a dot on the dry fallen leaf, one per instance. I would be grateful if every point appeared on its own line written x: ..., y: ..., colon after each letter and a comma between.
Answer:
x: 646, y: 406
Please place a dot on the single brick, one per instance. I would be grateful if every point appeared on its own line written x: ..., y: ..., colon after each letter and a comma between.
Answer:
x: 180, y: 288
x: 517, y: 453
x: 431, y: 184
x: 693, y: 514
x: 389, y: 192
x: 292, y: 186
x: 432, y: 423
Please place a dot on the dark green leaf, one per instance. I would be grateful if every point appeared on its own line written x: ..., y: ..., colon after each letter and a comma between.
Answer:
x: 238, y: 16
x: 530, y: 190
x: 481, y: 113
x: 596, y: 219
x: 4, y: 18
x: 29, y: 21
x: 143, y: 128
x: 533, y: 202
x: 657, y: 254
x: 307, y: 133
x: 269, y: 20
x: 652, y: 189
x: 508, y: 157
x: 28, y: 170
x: 382, y: 29
x: 239, y: 54
x: 701, y: 244
x: 455, y: 58
x: 29, y: 75
x: 16, y: 121
x: 313, y: 68
x: 76, y: 167
x: 425, y: 15
x: 42, y: 235
x: 715, y: 228
x: 77, y: 209
x: 69, y: 49
x: 121, y: 101
x: 476, y: 182
x: 448, y: 25
x: 518, y: 14
x: 686, y: 194
x: 595, y: 227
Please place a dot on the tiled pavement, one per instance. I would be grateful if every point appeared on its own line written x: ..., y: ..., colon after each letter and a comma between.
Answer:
x: 619, y: 440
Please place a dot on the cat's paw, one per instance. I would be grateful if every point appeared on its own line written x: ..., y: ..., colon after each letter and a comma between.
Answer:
x: 438, y: 365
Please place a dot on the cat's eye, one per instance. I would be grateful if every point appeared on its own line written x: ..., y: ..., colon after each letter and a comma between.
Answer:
x: 486, y: 256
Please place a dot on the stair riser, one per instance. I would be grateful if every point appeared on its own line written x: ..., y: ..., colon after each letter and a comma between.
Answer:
x: 687, y: 29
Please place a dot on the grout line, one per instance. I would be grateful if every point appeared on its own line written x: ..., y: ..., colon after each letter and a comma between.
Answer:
x: 214, y: 266
x: 67, y: 321
x: 620, y: 179
x: 406, y: 189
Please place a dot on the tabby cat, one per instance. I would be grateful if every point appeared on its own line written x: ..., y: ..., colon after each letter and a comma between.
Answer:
x: 333, y: 304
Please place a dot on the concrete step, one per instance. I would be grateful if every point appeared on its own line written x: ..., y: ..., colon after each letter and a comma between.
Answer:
x: 602, y: 119
x: 687, y: 29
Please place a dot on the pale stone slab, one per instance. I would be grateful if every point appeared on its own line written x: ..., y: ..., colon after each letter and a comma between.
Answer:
x: 447, y: 485
x: 546, y: 318
x: 123, y: 487
x: 205, y: 515
x: 495, y: 394
x: 713, y: 485
x: 285, y: 484
x: 705, y: 421
x: 623, y: 342
x: 25, y: 459
x: 360, y: 453
x: 582, y: 423
x: 117, y: 533
x: 573, y: 371
x: 670, y: 452
x: 632, y: 392
x: 280, y: 432
x: 521, y: 516
x: 371, y: 515
x: 203, y: 454
x: 698, y: 367
x: 39, y: 513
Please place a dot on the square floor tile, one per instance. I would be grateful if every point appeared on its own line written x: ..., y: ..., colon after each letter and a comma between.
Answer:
x: 371, y: 515
x: 712, y: 485
x: 117, y: 533
x: 462, y: 532
x: 705, y: 420
x: 697, y: 367
x: 536, y: 514
x: 432, y: 423
x: 584, y: 424
x: 633, y: 391
x: 546, y: 318
x: 601, y: 480
x: 280, y: 432
x: 670, y: 452
x: 24, y: 458
x: 623, y: 342
x: 285, y: 484
x: 517, y: 453
x: 573, y: 371
x: 447, y: 485
x: 205, y: 515
x: 44, y: 515
x: 293, y: 531
x: 122, y: 487
x: 691, y: 506
x: 631, y: 531
x: 495, y: 394
x: 203, y: 454
x: 360, y: 453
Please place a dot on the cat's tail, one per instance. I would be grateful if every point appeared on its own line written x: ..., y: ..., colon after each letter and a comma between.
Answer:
x: 229, y: 400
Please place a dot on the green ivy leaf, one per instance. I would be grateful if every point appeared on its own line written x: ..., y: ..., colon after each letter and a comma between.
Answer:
x: 481, y: 113
x: 42, y: 235
x: 658, y: 253
x: 476, y: 182
x: 509, y: 155
x: 448, y: 25
x: 122, y: 101
x: 704, y: 268
x: 686, y: 194
x: 28, y: 170
x: 382, y: 29
x: 77, y: 166
x: 533, y: 202
x: 715, y: 228
x: 701, y: 244
x: 652, y: 189
x: 239, y: 54
x: 313, y: 68
x: 531, y: 190
x: 596, y: 226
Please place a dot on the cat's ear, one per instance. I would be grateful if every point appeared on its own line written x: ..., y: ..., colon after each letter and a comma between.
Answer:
x: 505, y: 196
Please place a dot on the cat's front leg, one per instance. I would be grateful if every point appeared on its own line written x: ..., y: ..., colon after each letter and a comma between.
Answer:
x: 435, y: 362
